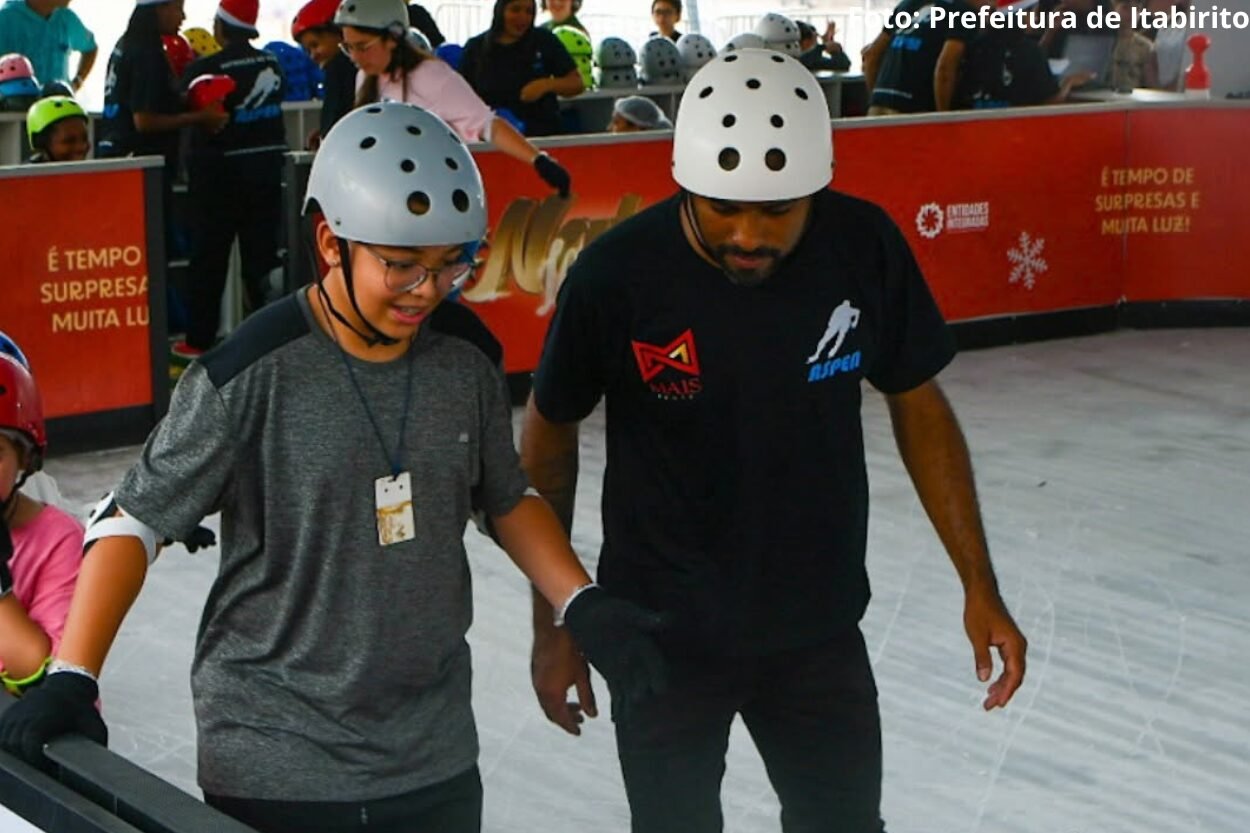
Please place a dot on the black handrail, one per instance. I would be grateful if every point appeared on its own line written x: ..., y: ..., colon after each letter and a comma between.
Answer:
x: 98, y: 791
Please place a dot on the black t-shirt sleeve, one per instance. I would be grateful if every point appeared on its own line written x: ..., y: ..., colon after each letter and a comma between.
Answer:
x: 150, y: 84
x: 1035, y: 84
x: 572, y: 372
x: 557, y: 60
x: 915, y: 342
x: 340, y: 92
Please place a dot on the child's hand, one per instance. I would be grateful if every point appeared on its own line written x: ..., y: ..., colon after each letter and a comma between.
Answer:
x: 213, y: 119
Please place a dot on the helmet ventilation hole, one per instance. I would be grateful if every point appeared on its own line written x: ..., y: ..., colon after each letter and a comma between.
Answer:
x: 729, y: 120
x: 705, y: 92
x: 460, y: 200
x: 407, y: 166
x: 418, y: 203
x: 801, y: 93
x: 452, y: 163
x: 777, y: 121
x: 367, y: 142
x: 729, y: 159
x: 775, y: 159
x: 753, y: 83
x: 414, y: 130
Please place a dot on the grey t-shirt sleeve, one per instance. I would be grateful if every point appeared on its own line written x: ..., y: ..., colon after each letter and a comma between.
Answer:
x: 503, y: 481
x: 186, y: 462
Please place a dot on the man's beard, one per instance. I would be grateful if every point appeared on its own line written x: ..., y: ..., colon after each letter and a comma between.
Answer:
x: 747, y: 277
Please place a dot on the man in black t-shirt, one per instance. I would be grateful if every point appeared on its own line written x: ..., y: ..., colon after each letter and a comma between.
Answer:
x: 915, y: 69
x: 235, y: 177
x: 730, y: 329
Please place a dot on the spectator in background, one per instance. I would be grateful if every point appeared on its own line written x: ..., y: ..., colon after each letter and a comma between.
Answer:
x: 916, y: 70
x: 57, y: 130
x: 666, y: 14
x: 1007, y: 68
x: 392, y: 69
x: 563, y: 13
x: 143, y: 105
x: 1132, y: 51
x: 823, y: 53
x: 234, y: 177
x: 634, y: 113
x: 314, y: 29
x: 522, y: 67
x: 423, y: 22
x: 46, y: 31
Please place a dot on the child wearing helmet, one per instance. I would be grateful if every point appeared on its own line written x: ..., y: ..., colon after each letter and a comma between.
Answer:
x: 345, y: 440
x: 40, y: 545
x: 392, y: 69
x: 315, y: 31
x: 56, y: 128
x: 234, y: 176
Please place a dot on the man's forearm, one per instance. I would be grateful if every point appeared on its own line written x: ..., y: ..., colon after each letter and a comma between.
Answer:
x: 549, y: 457
x: 85, y: 63
x: 936, y: 456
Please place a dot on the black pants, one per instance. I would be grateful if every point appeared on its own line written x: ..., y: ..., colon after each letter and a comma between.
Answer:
x: 452, y: 806
x: 812, y: 714
x: 231, y: 197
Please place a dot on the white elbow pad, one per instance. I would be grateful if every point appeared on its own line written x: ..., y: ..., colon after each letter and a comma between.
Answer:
x: 108, y: 521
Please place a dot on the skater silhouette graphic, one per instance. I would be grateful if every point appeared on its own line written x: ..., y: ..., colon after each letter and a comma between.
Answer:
x: 842, y: 320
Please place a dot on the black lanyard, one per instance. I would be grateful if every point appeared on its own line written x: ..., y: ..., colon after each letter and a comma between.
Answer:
x: 394, y: 461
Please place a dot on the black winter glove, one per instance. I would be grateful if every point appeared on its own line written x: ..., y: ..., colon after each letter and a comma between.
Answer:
x: 6, y: 552
x: 62, y: 704
x: 202, y: 538
x: 553, y: 174
x: 615, y: 636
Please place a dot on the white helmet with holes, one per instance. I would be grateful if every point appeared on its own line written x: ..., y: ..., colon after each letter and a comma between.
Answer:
x: 659, y: 61
x: 774, y: 28
x: 388, y: 15
x: 746, y: 40
x: 753, y: 125
x: 614, y: 53
x: 394, y: 174
x: 695, y: 50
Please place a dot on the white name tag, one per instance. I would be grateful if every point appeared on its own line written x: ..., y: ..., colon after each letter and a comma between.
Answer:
x: 393, y: 501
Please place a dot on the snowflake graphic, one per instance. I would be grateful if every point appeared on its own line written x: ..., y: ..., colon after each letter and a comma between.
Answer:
x: 1027, y: 257
x: 930, y: 220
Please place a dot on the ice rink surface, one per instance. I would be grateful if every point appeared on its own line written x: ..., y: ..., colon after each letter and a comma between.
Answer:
x: 1114, y: 474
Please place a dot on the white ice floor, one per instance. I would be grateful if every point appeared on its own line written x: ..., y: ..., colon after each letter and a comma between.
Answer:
x: 1115, y: 481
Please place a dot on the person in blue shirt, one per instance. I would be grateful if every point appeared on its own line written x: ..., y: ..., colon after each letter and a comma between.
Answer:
x: 46, y: 31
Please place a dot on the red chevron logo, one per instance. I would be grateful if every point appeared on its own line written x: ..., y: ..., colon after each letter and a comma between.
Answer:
x: 680, y: 355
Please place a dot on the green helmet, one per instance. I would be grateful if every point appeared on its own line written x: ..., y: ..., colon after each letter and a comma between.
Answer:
x: 48, y: 111
x: 575, y: 41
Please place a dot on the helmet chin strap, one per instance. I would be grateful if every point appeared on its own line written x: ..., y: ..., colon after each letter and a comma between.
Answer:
x: 687, y: 205
x: 375, y: 336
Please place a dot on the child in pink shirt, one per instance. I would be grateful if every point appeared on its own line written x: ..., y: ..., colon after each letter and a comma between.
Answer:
x: 40, y: 546
x: 391, y: 68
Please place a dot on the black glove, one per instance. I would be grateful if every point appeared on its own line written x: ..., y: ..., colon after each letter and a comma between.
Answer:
x: 615, y: 636
x: 6, y: 552
x: 201, y: 538
x: 553, y: 174
x: 62, y: 704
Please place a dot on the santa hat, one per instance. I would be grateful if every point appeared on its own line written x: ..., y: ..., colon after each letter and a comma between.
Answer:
x: 240, y: 13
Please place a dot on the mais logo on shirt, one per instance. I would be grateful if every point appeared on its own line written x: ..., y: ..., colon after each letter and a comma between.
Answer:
x: 677, y: 362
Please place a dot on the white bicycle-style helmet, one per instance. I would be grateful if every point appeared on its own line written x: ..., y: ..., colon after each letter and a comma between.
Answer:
x: 753, y: 125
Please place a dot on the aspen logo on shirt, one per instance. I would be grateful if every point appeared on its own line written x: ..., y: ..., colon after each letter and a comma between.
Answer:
x: 676, y: 362
x: 825, y: 363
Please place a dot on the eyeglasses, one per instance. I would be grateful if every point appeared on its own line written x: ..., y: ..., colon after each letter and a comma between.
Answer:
x: 350, y: 49
x: 404, y: 276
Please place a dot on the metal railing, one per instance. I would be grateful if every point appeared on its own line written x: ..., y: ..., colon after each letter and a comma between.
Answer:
x: 93, y: 790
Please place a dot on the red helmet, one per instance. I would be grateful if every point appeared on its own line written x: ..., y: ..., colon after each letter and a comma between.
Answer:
x: 179, y: 53
x: 207, y: 90
x: 313, y: 14
x: 21, y: 409
x: 14, y: 66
